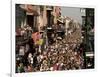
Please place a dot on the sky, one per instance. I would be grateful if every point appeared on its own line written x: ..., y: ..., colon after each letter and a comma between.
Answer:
x: 72, y: 12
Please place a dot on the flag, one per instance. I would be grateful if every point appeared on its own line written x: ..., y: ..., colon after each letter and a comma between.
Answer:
x: 37, y: 38
x: 39, y: 42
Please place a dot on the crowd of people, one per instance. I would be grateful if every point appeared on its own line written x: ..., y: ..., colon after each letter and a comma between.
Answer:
x: 61, y: 54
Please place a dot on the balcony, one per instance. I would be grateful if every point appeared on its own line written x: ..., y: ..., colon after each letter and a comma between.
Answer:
x: 49, y: 7
x: 30, y: 9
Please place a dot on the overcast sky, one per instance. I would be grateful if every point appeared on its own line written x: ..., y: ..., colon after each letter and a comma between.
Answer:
x: 72, y: 12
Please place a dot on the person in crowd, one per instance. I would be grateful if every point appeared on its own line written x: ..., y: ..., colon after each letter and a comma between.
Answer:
x: 22, y: 51
x: 21, y: 68
x: 62, y: 54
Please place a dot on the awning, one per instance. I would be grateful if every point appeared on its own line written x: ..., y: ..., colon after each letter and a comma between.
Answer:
x: 89, y: 54
x: 60, y: 19
x: 49, y: 27
x: 49, y: 8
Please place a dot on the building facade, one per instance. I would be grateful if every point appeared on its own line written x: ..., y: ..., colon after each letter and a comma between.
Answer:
x: 36, y: 16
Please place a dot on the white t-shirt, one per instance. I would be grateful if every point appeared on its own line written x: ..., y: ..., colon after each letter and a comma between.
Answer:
x: 21, y: 52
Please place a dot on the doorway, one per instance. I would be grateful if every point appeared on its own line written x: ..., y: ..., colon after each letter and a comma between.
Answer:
x: 30, y: 20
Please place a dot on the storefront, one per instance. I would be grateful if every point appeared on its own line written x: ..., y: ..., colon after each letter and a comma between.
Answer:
x: 89, y: 60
